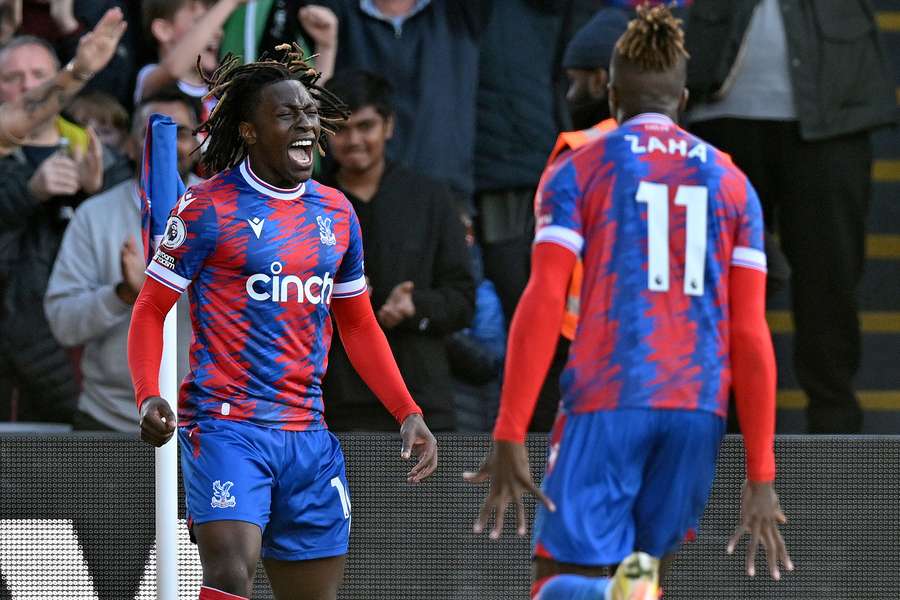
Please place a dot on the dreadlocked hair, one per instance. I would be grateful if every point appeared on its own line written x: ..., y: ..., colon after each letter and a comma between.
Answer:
x: 237, y: 85
x: 654, y: 40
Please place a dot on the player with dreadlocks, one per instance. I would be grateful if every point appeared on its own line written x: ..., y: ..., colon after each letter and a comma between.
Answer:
x: 672, y: 318
x: 266, y: 249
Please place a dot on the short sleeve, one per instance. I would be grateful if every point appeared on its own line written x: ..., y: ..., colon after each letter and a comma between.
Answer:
x: 351, y: 277
x: 749, y: 243
x: 556, y: 208
x: 189, y: 238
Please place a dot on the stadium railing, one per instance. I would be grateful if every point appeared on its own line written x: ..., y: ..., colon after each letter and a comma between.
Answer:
x: 76, y: 521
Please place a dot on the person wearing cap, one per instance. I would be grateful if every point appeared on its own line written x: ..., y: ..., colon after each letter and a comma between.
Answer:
x: 586, y: 63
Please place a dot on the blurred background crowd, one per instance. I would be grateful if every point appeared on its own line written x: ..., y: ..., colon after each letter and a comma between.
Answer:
x: 455, y: 106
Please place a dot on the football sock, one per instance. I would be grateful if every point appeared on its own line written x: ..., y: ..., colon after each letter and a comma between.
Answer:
x: 208, y: 593
x: 569, y: 587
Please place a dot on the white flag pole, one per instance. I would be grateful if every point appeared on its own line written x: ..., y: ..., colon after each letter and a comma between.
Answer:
x: 250, y: 48
x: 167, y: 473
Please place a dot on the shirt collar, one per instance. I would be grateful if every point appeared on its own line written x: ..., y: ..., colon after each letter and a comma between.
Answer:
x: 267, y: 189
x: 649, y: 118
x: 368, y: 7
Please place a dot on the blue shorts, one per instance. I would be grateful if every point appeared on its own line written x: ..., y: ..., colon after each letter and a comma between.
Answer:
x: 625, y: 480
x: 290, y: 483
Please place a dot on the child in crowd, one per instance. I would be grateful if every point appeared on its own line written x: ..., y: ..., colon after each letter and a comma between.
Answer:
x: 104, y: 114
x: 182, y: 30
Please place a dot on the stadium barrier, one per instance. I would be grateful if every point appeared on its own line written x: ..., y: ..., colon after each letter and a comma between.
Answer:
x: 76, y: 521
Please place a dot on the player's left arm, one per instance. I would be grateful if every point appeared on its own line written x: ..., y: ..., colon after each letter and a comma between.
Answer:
x: 754, y: 380
x: 371, y: 357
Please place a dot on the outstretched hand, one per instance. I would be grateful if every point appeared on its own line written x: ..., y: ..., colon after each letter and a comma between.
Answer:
x: 157, y: 421
x: 760, y: 516
x: 320, y: 23
x: 418, y: 439
x: 506, y: 467
x: 96, y: 48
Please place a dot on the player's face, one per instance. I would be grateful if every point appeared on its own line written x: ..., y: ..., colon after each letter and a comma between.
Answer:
x: 359, y: 145
x: 283, y: 134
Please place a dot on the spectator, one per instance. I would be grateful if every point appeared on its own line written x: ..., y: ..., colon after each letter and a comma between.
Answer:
x: 102, y: 113
x: 586, y: 62
x: 56, y: 165
x: 63, y: 22
x: 314, y: 28
x: 428, y: 51
x: 183, y: 31
x: 10, y: 19
x: 795, y: 113
x: 31, y: 109
x: 99, y: 272
x: 516, y: 125
x: 416, y: 262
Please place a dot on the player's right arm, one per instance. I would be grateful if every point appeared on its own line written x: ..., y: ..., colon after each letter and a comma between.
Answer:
x: 754, y: 380
x: 145, y: 348
x: 533, y: 336
x: 190, y: 237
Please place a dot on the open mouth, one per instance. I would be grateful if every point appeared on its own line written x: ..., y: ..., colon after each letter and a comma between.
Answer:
x: 300, y: 153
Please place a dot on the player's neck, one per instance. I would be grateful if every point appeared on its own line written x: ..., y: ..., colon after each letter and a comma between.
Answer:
x: 627, y: 114
x: 271, y: 176
x: 362, y: 184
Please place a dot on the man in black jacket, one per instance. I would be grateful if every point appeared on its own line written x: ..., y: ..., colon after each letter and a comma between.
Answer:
x: 792, y: 90
x: 416, y: 262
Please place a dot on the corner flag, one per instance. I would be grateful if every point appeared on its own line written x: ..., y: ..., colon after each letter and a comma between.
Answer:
x: 160, y: 189
x: 160, y: 184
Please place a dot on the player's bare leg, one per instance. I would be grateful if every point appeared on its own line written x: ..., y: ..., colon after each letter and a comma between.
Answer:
x: 229, y: 551
x: 317, y: 579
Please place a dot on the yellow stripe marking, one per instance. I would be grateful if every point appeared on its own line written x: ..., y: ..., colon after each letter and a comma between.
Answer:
x: 888, y: 20
x: 780, y: 321
x: 882, y: 246
x: 886, y: 171
x: 875, y: 400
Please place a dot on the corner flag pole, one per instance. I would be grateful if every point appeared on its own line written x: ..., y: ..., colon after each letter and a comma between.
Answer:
x: 167, y: 473
x: 160, y: 188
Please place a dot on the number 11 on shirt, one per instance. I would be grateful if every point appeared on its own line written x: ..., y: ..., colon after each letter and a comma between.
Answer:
x: 694, y: 198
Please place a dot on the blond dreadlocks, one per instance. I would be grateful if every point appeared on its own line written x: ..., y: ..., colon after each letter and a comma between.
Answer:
x: 654, y: 40
x: 237, y: 86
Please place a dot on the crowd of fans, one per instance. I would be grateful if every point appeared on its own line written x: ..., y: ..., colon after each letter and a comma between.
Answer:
x: 456, y: 105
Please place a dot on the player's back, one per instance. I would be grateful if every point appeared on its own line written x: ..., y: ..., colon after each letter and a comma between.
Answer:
x: 661, y: 216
